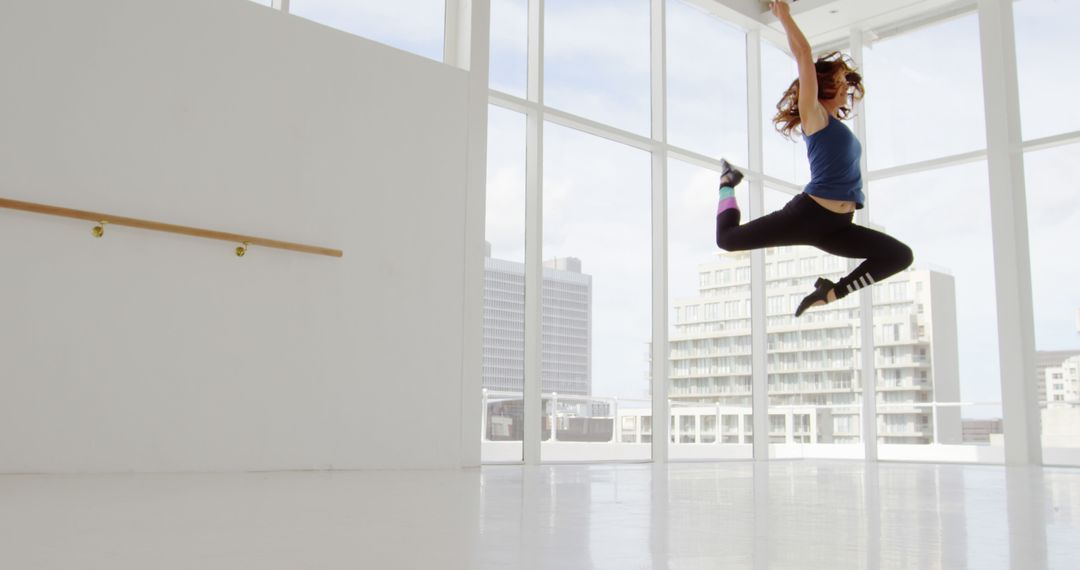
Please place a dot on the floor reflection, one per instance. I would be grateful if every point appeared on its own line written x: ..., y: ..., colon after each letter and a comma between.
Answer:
x: 782, y: 514
x: 799, y: 514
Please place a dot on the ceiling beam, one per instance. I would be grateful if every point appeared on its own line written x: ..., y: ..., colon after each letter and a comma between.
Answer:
x: 747, y: 14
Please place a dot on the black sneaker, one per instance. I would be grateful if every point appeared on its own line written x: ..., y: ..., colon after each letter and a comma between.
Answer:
x: 729, y: 176
x: 821, y: 293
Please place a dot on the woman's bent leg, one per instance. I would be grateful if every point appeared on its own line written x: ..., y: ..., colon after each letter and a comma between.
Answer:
x: 884, y: 256
x: 798, y: 223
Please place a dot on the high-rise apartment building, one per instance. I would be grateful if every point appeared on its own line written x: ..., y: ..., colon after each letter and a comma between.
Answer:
x: 1058, y: 376
x: 1061, y: 414
x: 1045, y: 360
x: 1063, y: 382
x: 566, y: 364
x: 814, y: 362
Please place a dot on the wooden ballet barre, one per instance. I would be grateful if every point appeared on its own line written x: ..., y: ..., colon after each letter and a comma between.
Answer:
x: 169, y: 228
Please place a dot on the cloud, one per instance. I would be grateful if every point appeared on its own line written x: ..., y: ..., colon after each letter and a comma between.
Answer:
x: 944, y: 216
x: 505, y: 219
x: 597, y: 208
x: 923, y: 102
x: 508, y: 71
x: 411, y: 25
x: 692, y: 197
x: 596, y: 61
x: 706, y: 90
x: 1046, y: 47
x: 1054, y: 226
x: 784, y: 158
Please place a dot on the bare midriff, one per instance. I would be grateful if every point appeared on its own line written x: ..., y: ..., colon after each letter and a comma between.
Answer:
x: 838, y: 206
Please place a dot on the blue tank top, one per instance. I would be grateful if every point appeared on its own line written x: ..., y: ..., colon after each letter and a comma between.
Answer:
x: 834, y: 154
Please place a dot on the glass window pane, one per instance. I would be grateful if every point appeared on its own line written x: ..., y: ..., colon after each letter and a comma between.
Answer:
x: 411, y: 25
x: 785, y: 158
x: 922, y: 101
x: 706, y: 71
x: 597, y: 293
x: 1046, y: 38
x: 504, y: 289
x: 597, y: 60
x: 815, y: 389
x: 509, y: 46
x: 936, y: 324
x: 1053, y: 222
x: 709, y: 314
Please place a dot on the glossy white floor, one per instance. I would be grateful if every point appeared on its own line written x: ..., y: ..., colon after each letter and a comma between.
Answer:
x: 801, y: 514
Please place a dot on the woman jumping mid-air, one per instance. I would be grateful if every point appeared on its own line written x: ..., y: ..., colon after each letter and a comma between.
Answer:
x: 821, y: 216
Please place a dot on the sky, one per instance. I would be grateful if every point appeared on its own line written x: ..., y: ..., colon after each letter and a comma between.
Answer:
x: 922, y: 102
x: 411, y: 25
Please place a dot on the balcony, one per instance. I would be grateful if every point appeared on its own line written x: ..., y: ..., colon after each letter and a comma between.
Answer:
x: 882, y: 363
x: 901, y: 386
x: 897, y: 408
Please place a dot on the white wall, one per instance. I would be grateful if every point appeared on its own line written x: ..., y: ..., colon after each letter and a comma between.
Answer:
x: 152, y: 352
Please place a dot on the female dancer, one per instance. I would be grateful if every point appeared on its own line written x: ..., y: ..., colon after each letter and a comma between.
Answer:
x: 821, y: 216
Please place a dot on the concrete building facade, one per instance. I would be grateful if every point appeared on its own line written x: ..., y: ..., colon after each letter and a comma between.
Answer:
x: 814, y: 361
x: 567, y: 327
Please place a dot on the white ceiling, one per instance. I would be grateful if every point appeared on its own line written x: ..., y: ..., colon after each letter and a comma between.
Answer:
x: 829, y: 21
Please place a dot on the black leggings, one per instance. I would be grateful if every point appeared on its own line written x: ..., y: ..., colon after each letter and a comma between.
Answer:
x: 805, y: 222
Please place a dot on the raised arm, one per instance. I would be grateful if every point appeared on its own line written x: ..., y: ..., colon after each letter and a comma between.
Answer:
x: 811, y: 114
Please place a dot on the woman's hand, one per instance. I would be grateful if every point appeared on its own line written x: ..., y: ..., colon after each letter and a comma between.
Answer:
x: 780, y: 9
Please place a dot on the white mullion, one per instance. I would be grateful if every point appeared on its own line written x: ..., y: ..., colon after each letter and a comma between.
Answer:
x: 599, y: 129
x: 1008, y: 213
x: 474, y: 28
x: 282, y: 5
x: 534, y: 267
x: 691, y: 157
x: 782, y: 185
x: 758, y: 328
x: 633, y: 140
x: 649, y: 145
x: 535, y: 87
x: 660, y: 407
x: 969, y: 157
x: 752, y: 174
x: 866, y: 296
x: 925, y: 165
x: 512, y: 103
x: 1052, y: 141
x: 456, y: 33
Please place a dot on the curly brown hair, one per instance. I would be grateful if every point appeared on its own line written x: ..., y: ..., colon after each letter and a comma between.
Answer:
x: 828, y: 67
